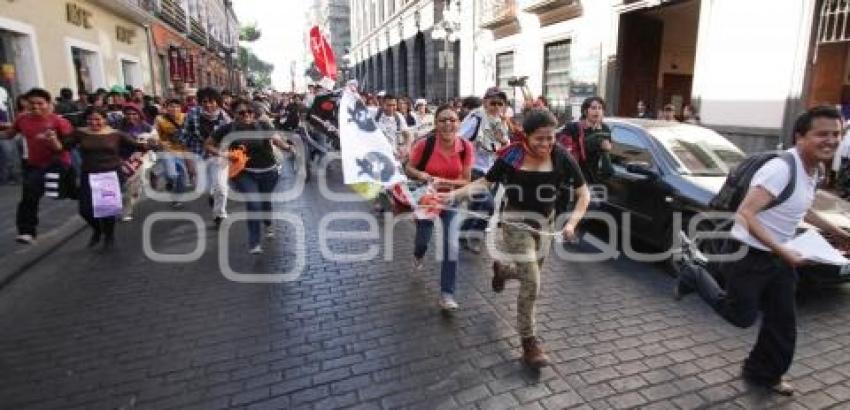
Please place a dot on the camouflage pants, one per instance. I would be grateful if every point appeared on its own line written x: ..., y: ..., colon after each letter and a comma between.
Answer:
x: 525, y: 251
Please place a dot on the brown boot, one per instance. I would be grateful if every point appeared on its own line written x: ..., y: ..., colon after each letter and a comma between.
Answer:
x: 498, y: 278
x: 532, y: 353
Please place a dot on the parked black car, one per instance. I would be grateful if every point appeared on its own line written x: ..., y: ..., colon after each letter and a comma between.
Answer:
x: 664, y: 168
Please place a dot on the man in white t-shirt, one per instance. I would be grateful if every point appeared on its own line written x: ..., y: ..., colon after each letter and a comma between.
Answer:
x: 765, y: 279
x: 393, y: 125
x: 487, y: 128
x: 395, y: 128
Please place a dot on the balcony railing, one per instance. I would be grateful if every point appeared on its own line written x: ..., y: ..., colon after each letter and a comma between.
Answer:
x: 198, y: 34
x: 146, y: 5
x: 494, y: 12
x: 553, y: 11
x: 500, y: 17
x: 172, y: 13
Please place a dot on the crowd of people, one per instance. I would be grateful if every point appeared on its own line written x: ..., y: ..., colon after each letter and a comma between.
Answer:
x: 461, y: 150
x: 139, y: 139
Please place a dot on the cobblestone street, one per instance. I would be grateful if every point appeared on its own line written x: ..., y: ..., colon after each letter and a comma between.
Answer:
x: 84, y: 329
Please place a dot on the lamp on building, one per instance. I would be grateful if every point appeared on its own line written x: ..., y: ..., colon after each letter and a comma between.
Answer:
x: 447, y: 30
x: 345, y: 69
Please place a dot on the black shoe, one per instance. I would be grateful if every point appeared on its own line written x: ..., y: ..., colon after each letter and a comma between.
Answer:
x: 783, y: 387
x: 498, y: 282
x: 95, y: 239
x: 108, y: 242
x: 681, y: 289
x: 684, y: 283
x: 217, y: 221
x: 210, y: 201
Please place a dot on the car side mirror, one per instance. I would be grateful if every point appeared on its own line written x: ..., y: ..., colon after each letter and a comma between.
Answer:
x: 641, y: 168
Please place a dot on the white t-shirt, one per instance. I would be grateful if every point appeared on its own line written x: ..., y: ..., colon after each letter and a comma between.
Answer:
x: 4, y: 96
x: 842, y: 152
x: 391, y: 127
x: 781, y: 221
x: 485, y: 142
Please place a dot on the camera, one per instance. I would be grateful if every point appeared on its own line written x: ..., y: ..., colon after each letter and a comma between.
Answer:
x: 517, y: 81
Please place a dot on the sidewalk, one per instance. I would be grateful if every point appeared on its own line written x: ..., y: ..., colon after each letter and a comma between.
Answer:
x: 58, y: 220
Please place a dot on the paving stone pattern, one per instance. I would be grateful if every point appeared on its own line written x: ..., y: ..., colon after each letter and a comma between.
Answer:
x: 84, y: 329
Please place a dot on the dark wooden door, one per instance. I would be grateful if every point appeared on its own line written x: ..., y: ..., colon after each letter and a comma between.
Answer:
x: 640, y: 55
x: 676, y: 89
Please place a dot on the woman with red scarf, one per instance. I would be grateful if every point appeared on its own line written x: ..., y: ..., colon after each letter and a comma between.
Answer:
x: 532, y: 170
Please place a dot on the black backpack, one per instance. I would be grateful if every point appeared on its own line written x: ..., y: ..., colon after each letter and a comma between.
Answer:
x: 397, y: 119
x: 430, y: 144
x: 478, y: 121
x: 738, y: 181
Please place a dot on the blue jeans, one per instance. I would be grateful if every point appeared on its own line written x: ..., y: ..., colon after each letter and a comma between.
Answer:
x: 451, y: 233
x: 32, y: 190
x: 10, y: 161
x: 175, y: 171
x: 480, y: 203
x: 321, y: 139
x: 252, y: 183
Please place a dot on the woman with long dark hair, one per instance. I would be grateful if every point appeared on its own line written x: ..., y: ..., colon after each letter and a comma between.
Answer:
x: 588, y: 140
x: 445, y: 160
x: 532, y: 171
x: 135, y: 126
x: 261, y: 171
x: 100, y: 147
x: 406, y: 110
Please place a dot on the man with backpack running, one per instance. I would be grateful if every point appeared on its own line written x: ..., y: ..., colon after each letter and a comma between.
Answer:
x: 487, y: 129
x: 771, y: 194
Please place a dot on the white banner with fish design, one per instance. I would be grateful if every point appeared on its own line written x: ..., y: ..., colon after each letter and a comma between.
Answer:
x: 367, y: 156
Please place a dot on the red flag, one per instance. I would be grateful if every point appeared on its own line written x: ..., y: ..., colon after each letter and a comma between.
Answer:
x: 323, y: 54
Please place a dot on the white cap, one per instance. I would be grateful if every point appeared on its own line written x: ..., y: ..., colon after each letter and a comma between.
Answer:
x: 420, y: 101
x: 382, y: 93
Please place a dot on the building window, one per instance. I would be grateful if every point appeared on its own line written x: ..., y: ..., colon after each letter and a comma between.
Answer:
x: 164, y: 74
x: 504, y: 70
x: 556, y: 76
x: 131, y: 71
x: 84, y: 66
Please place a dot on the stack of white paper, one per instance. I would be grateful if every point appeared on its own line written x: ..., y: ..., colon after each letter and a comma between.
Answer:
x: 812, y: 246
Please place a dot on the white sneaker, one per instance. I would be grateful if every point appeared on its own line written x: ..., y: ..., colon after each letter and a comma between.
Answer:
x: 417, y: 264
x: 127, y: 218
x: 269, y: 232
x: 256, y: 250
x: 447, y: 302
x: 26, y: 239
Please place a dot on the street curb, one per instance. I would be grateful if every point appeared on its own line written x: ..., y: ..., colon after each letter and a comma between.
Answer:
x: 16, y: 263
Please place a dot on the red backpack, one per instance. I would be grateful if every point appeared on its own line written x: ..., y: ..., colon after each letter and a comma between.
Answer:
x: 571, y: 138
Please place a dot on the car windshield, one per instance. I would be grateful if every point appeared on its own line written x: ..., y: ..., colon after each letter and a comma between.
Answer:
x: 698, y: 151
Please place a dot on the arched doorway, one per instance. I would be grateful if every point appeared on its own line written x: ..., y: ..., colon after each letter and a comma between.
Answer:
x: 370, y: 74
x: 402, y: 68
x: 379, y: 73
x: 421, y: 68
x: 390, y: 71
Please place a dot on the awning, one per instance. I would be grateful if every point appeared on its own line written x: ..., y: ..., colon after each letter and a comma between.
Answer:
x: 833, y: 22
